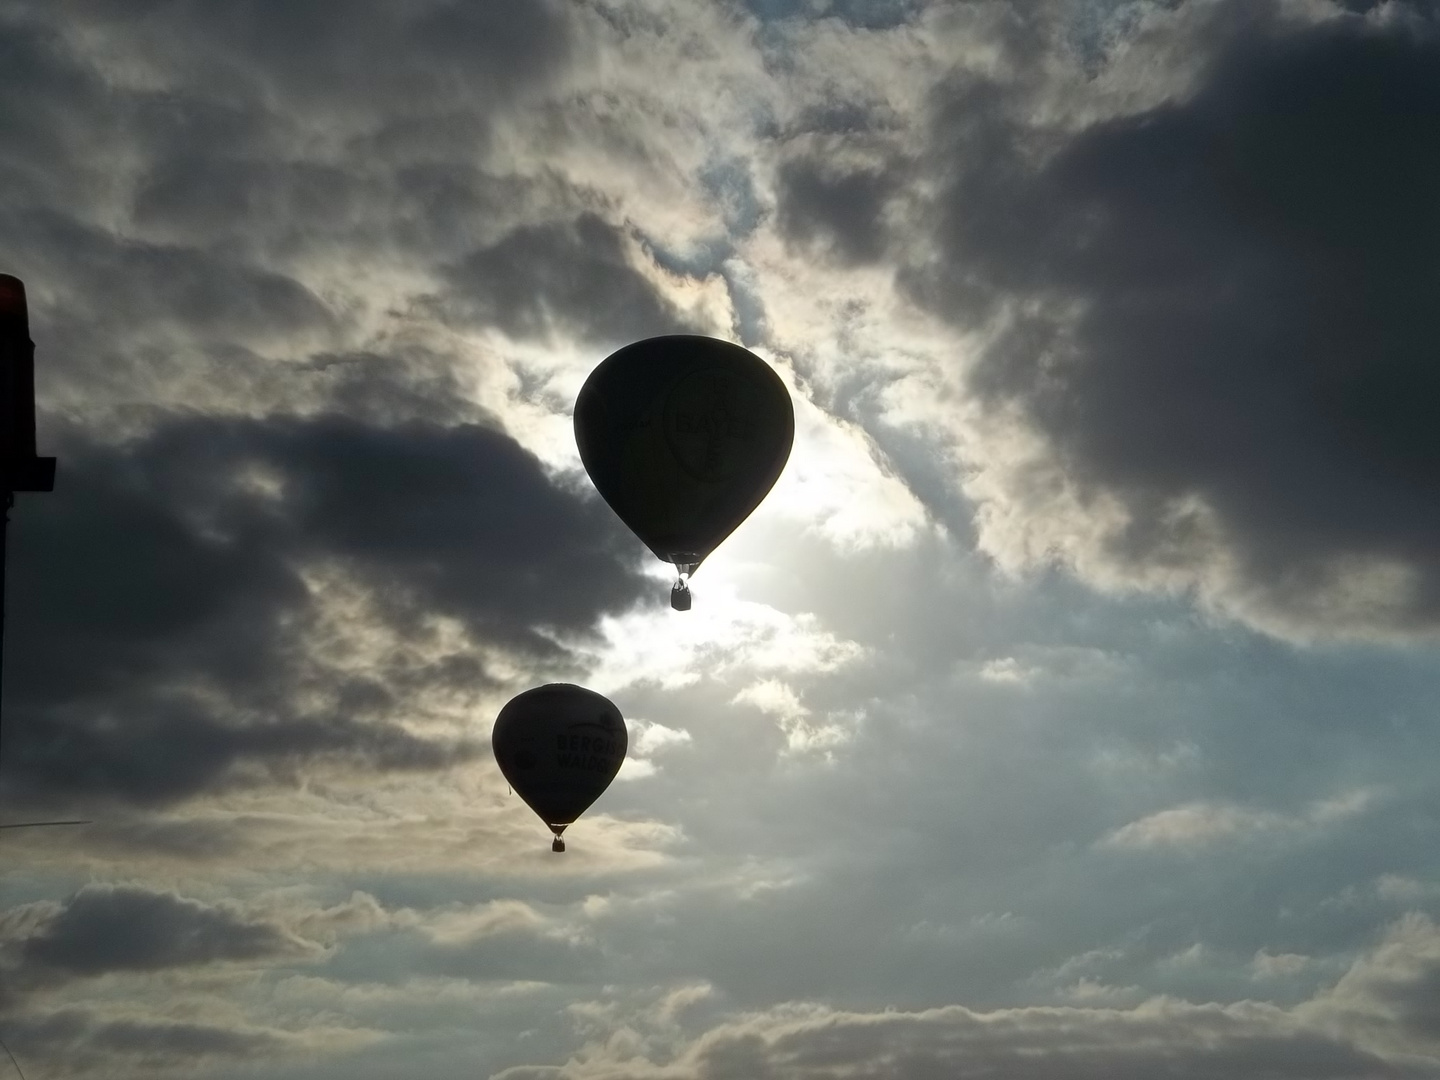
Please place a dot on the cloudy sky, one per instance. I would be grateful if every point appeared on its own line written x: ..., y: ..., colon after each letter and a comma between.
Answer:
x: 1067, y: 711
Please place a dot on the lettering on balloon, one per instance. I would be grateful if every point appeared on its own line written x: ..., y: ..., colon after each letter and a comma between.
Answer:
x: 559, y: 746
x: 708, y: 425
x: 588, y: 763
x: 591, y: 753
x: 717, y: 423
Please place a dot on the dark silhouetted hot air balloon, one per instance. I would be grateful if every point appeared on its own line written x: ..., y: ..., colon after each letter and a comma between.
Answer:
x: 559, y: 746
x: 683, y: 436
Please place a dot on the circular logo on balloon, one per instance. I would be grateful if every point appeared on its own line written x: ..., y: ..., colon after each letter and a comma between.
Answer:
x: 709, y: 425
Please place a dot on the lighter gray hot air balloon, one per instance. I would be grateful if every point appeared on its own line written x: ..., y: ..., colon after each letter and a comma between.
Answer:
x: 559, y: 745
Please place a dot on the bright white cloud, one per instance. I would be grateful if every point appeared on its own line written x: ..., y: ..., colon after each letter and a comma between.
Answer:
x: 646, y: 740
x: 837, y: 484
x: 722, y: 635
x: 1202, y: 823
x: 1267, y: 965
x: 777, y: 699
x: 1196, y: 823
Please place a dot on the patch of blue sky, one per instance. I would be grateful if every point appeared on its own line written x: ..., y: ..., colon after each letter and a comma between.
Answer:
x: 1096, y: 26
x: 729, y: 182
x: 730, y: 186
x: 747, y: 302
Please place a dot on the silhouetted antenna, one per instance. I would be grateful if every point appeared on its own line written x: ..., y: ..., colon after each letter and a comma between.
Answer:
x: 12, y: 1059
x: 20, y: 469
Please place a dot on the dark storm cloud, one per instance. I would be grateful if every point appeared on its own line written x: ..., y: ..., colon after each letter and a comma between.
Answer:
x: 464, y: 515
x: 407, y: 187
x: 574, y: 278
x: 119, y: 929
x: 396, y: 56
x: 840, y: 170
x: 208, y: 168
x: 1227, y: 298
x: 84, y: 1042
x: 158, y: 286
x: 838, y: 208
x: 181, y: 231
x: 190, y: 227
x: 160, y: 630
x: 223, y: 131
x: 129, y: 928
x: 414, y: 385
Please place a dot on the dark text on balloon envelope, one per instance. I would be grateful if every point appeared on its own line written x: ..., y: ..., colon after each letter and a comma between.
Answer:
x: 585, y: 752
x: 715, y: 422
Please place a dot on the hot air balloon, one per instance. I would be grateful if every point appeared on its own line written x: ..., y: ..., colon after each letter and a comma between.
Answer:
x: 559, y: 746
x: 683, y: 436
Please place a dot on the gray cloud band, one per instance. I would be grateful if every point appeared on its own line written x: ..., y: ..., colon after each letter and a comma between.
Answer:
x: 164, y: 628
x: 1216, y: 313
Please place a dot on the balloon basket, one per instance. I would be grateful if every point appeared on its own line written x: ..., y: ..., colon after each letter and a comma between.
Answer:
x: 557, y: 844
x: 680, y: 596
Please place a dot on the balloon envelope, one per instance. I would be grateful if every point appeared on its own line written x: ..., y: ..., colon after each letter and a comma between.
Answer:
x: 559, y: 746
x: 683, y: 436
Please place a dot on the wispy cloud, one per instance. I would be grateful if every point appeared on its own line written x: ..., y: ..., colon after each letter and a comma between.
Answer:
x: 1202, y: 823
